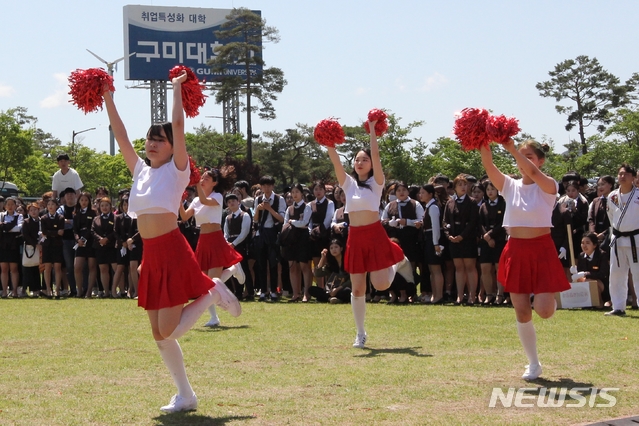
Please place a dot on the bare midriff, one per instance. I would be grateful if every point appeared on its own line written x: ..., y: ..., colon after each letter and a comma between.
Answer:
x: 207, y: 228
x: 527, y: 233
x: 363, y: 217
x: 156, y: 224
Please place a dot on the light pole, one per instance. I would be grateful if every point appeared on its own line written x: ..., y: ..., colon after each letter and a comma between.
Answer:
x: 73, y: 140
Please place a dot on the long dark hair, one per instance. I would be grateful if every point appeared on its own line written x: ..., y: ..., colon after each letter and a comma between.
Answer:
x: 331, y: 261
x: 78, y: 208
x: 354, y: 174
x: 225, y: 178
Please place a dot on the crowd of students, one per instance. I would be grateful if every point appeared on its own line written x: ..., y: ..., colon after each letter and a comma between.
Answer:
x: 451, y: 232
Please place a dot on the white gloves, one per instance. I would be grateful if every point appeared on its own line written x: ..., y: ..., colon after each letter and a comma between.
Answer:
x: 578, y: 276
x: 573, y: 269
x: 393, y: 222
x: 562, y: 253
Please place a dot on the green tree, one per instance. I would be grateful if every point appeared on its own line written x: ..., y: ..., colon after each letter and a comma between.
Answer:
x: 293, y: 156
x: 625, y: 124
x: 208, y: 147
x: 594, y: 91
x: 15, y: 141
x: 248, y: 31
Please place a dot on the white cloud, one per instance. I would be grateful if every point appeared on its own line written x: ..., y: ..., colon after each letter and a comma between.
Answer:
x: 60, y: 96
x: 6, y: 91
x: 433, y: 81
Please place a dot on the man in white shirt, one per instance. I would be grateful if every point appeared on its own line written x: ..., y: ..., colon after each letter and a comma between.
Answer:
x: 623, y: 212
x: 66, y: 177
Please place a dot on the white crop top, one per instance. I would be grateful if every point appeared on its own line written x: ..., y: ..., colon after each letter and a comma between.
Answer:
x: 207, y: 214
x: 360, y: 198
x: 157, y: 190
x: 527, y: 205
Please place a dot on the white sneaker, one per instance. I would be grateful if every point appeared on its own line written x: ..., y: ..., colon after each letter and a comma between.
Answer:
x: 360, y: 340
x: 532, y: 372
x: 227, y: 300
x: 179, y: 403
x: 213, y: 322
x: 238, y: 273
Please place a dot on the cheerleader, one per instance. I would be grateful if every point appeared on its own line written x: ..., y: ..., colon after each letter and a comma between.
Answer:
x: 368, y: 248
x: 84, y: 252
x: 460, y: 226
x: 52, y: 228
x: 212, y: 252
x: 10, y: 241
x: 298, y: 254
x: 492, y: 241
x: 170, y: 274
x: 528, y: 263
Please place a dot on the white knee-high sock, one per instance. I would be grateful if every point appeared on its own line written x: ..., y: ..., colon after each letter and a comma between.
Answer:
x: 528, y: 338
x: 171, y: 354
x: 213, y: 313
x: 405, y: 269
x: 392, y: 270
x: 359, y: 312
x: 193, y: 311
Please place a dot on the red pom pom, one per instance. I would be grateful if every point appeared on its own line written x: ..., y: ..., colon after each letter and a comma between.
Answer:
x: 380, y: 116
x: 193, y: 97
x: 195, y: 176
x: 87, y: 87
x: 500, y: 128
x: 185, y: 195
x: 470, y: 128
x: 329, y: 133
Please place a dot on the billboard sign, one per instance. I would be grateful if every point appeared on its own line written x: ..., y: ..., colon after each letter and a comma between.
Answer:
x: 158, y: 38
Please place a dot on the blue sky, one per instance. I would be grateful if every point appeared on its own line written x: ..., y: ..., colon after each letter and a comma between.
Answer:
x: 423, y: 60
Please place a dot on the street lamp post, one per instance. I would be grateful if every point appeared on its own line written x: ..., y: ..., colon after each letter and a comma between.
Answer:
x: 73, y: 140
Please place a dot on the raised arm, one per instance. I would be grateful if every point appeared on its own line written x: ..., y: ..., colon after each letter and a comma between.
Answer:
x: 119, y: 132
x: 180, y: 157
x: 546, y: 183
x: 494, y: 174
x: 340, y: 173
x: 204, y: 199
x: 378, y: 173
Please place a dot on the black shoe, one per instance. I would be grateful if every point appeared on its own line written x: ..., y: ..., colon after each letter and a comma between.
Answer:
x: 249, y: 299
x: 262, y: 297
x: 616, y: 313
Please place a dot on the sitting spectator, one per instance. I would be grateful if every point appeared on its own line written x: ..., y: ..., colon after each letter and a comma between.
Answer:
x: 593, y: 264
x: 338, y: 284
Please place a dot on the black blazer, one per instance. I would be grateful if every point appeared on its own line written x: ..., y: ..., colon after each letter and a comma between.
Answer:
x: 30, y: 229
x: 82, y: 223
x: 461, y: 218
x: 50, y: 227
x: 598, y: 268
x: 104, y: 229
x: 491, y: 220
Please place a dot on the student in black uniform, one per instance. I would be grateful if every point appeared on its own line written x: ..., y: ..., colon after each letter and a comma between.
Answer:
x: 598, y: 221
x: 134, y: 246
x: 10, y: 242
x: 122, y: 229
x: 592, y: 264
x: 237, y: 232
x: 104, y: 240
x: 298, y: 251
x: 460, y: 226
x: 433, y: 243
x: 30, y: 231
x: 85, y: 252
x: 492, y: 239
x: 52, y: 226
x: 322, y: 210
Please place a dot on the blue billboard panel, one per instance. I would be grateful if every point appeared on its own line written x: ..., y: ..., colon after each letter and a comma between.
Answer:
x: 158, y: 38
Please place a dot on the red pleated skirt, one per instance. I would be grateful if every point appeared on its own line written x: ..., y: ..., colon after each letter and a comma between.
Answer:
x: 530, y: 265
x: 169, y: 273
x: 213, y: 251
x: 369, y: 249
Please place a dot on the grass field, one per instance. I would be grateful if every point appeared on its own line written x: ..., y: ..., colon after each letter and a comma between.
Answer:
x: 93, y: 362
